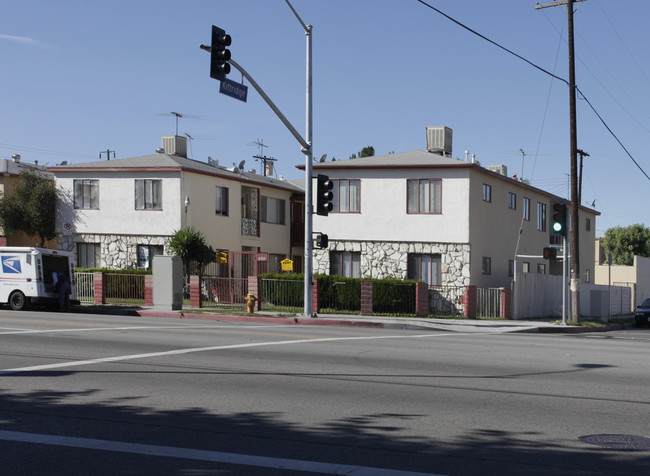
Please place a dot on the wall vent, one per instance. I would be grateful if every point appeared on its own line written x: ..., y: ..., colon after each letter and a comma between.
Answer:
x: 439, y: 140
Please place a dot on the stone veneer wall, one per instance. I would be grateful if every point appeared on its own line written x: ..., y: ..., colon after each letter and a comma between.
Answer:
x: 390, y: 259
x: 117, y: 251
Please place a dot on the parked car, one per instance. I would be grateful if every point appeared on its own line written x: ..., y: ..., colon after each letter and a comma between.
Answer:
x: 642, y: 314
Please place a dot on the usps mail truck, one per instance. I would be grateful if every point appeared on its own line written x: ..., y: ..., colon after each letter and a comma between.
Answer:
x: 27, y: 276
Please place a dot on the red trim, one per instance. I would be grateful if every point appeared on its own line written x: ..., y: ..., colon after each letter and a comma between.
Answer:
x: 61, y: 171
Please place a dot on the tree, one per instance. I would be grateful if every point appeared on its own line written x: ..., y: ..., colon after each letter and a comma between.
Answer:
x: 365, y: 152
x: 31, y: 208
x: 189, y: 245
x: 625, y: 242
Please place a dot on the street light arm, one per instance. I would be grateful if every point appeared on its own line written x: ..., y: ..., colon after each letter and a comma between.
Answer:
x: 285, y: 121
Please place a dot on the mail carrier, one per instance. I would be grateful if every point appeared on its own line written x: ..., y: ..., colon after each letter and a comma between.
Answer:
x: 27, y: 276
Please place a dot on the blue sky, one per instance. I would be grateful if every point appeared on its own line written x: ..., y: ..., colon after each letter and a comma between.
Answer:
x: 81, y: 77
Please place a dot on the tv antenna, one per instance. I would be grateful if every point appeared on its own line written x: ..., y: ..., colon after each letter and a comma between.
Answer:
x: 177, y: 115
x: 267, y: 162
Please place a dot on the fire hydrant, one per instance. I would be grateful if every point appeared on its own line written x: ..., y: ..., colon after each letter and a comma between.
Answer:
x: 250, y: 303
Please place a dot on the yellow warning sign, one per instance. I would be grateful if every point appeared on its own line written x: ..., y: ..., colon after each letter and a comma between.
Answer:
x: 287, y: 265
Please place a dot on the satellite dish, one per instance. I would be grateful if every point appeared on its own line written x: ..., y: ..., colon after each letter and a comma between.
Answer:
x: 65, y: 162
x: 236, y: 170
x: 322, y: 159
x: 241, y: 164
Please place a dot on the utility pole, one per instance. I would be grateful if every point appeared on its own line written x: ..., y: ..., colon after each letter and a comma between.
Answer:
x: 108, y: 154
x: 574, y: 285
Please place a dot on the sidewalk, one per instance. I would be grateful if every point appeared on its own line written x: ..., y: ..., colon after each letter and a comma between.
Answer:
x: 449, y: 325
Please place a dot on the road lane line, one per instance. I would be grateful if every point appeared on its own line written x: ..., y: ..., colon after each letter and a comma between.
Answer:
x: 120, y: 358
x: 203, y: 455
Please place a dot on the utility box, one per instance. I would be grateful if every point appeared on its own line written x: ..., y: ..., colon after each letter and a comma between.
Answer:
x: 167, y: 282
x: 599, y: 301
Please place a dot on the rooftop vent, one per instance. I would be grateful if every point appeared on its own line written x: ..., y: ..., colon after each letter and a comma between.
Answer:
x: 160, y: 150
x: 16, y: 157
x: 175, y: 145
x: 439, y: 140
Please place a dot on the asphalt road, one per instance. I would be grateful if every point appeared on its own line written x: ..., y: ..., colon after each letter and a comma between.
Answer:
x: 90, y: 394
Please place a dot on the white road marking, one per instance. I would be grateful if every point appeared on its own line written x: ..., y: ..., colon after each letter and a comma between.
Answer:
x: 120, y: 358
x: 204, y: 455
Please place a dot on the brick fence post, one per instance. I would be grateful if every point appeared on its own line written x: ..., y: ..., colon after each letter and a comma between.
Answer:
x: 254, y: 288
x: 148, y: 290
x: 98, y: 287
x: 506, y: 303
x: 470, y: 302
x: 195, y: 291
x: 366, y: 297
x: 314, y: 299
x: 421, y: 299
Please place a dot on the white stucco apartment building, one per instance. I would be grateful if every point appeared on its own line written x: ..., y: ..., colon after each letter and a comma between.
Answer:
x: 119, y: 213
x: 424, y: 215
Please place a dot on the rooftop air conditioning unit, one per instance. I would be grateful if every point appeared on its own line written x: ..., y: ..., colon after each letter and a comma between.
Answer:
x: 500, y: 169
x: 439, y: 140
x: 175, y: 145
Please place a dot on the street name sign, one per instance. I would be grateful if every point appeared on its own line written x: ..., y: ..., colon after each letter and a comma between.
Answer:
x: 234, y: 89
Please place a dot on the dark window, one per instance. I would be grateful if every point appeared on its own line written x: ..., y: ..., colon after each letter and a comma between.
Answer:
x: 148, y: 194
x: 146, y: 254
x: 347, y: 196
x: 425, y: 268
x: 88, y: 255
x: 273, y: 210
x: 345, y: 263
x: 512, y: 201
x: 487, y: 192
x: 222, y: 201
x: 424, y: 196
x: 86, y: 194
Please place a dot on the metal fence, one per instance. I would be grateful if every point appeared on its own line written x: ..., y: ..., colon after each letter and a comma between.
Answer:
x: 283, y: 295
x: 488, y: 302
x: 343, y: 297
x: 446, y: 300
x: 395, y: 299
x: 85, y: 287
x: 124, y: 288
x: 224, y: 293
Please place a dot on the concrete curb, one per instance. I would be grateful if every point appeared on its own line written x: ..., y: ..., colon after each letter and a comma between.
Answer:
x: 580, y: 329
x: 367, y: 323
x: 262, y: 319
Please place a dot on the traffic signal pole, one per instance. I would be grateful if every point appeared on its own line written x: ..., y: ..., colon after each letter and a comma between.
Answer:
x: 306, y: 148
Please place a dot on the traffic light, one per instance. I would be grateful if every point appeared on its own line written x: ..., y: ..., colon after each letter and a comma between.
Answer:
x: 550, y: 253
x: 322, y: 240
x: 324, y: 195
x: 558, y: 222
x: 219, y: 54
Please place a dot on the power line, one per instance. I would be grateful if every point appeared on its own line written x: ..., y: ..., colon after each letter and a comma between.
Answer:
x: 582, y: 95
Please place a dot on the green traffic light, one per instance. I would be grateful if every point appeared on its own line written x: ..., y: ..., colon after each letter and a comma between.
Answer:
x: 557, y: 227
